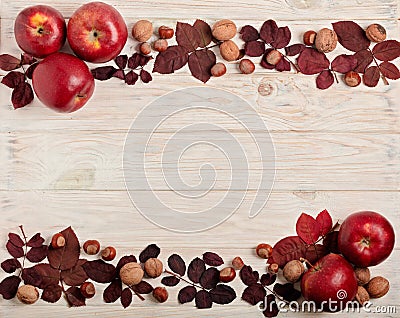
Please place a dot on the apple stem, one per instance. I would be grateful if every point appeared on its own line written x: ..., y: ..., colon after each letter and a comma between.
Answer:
x: 308, y: 263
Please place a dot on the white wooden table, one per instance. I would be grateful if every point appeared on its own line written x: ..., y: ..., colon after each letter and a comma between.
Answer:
x: 337, y: 149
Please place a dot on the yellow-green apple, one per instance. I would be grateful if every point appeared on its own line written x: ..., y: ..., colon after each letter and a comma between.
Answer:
x: 40, y: 30
x: 63, y: 82
x: 366, y: 238
x: 97, y: 32
x: 331, y: 283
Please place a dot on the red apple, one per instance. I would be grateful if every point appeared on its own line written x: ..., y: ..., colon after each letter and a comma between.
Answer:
x: 366, y: 238
x: 331, y: 283
x: 40, y: 30
x: 63, y: 82
x: 97, y: 32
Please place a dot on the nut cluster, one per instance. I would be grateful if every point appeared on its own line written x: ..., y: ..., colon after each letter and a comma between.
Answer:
x: 370, y: 288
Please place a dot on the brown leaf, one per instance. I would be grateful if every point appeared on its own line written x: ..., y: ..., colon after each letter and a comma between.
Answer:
x: 254, y: 294
x: 32, y: 277
x: 222, y: 294
x: 113, y: 291
x: 121, y: 61
x: 37, y: 254
x: 210, y: 278
x: 269, y: 31
x: 125, y: 260
x: 203, y: 299
x: 9, y: 287
x: 126, y: 297
x: 351, y: 35
x: 10, y: 265
x: 75, y: 297
x: 137, y: 60
x: 27, y: 59
x: 248, y: 276
x: 254, y: 48
x: 283, y: 65
x: 287, y: 291
x: 196, y: 268
x: 389, y: 70
x: 315, y: 252
x: 325, y: 222
x: 103, y: 73
x: 29, y: 71
x: 119, y: 74
x: 187, y: 36
x: 387, y: 50
x: 22, y: 95
x: 171, y: 60
x: 48, y: 275
x: 100, y: 271
x: 9, y: 62
x: 282, y: 38
x: 151, y: 251
x: 267, y: 279
x: 76, y: 275
x: 13, y: 79
x: 344, y: 63
x: 371, y: 76
x: 310, y: 61
x: 14, y: 251
x: 204, y: 30
x: 325, y: 79
x: 66, y: 257
x: 170, y: 281
x: 187, y: 294
x: 35, y: 241
x: 294, y: 49
x: 52, y: 293
x: 249, y: 33
x: 212, y: 259
x: 131, y: 78
x: 200, y: 64
x: 177, y: 264
x: 364, y: 59
x: 15, y: 239
x: 331, y: 242
x: 143, y: 288
x: 145, y: 76
x: 287, y: 249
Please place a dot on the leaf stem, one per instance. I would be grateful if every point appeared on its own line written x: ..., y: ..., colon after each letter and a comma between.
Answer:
x: 276, y: 295
x: 137, y: 294
x: 185, y: 280
x: 26, y: 248
x: 383, y: 77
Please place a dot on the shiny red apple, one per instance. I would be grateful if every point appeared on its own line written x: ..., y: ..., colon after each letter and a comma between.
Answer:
x: 40, y: 30
x: 331, y: 283
x: 63, y: 82
x: 97, y: 32
x: 366, y: 238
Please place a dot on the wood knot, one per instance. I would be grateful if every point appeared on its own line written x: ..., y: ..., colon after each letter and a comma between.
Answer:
x: 265, y: 89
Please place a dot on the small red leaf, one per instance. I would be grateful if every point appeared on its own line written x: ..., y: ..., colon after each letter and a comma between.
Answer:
x: 48, y: 275
x: 125, y: 260
x: 177, y: 264
x: 287, y: 291
x: 200, y: 64
x: 113, y: 292
x: 248, y: 276
x: 76, y: 275
x: 249, y: 33
x: 170, y: 281
x: 143, y: 288
x: 331, y: 242
x: 103, y: 73
x: 283, y: 66
x: 204, y: 30
x: 387, y: 50
x: 52, y: 293
x: 75, y: 297
x: 210, y: 278
x: 9, y: 63
x: 126, y: 297
x: 254, y: 294
x: 389, y: 70
x: 203, y: 299
x: 174, y: 58
x: 119, y: 74
x: 310, y: 61
x: 187, y: 36
x: 307, y: 228
x: 294, y: 49
x: 145, y: 76
x: 344, y: 63
x: 325, y: 79
x: 121, y: 61
x: 131, y: 78
x: 15, y: 239
x: 222, y: 294
x: 9, y: 287
x: 287, y: 249
x: 100, y: 271
x: 27, y: 59
x: 269, y: 31
x: 151, y: 251
x: 351, y: 35
x: 325, y: 222
x: 315, y: 252
x: 29, y: 71
x: 267, y: 279
x: 10, y: 265
x: 371, y: 76
x: 35, y: 241
x: 13, y: 79
x: 14, y: 251
x: 137, y: 60
x: 187, y: 294
x: 196, y: 269
x: 22, y: 95
x: 212, y: 259
x: 282, y: 38
x: 254, y: 48
x: 364, y: 59
x: 66, y: 257
x: 37, y: 254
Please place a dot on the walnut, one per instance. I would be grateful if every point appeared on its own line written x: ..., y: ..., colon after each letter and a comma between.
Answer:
x: 27, y: 294
x: 142, y: 30
x: 153, y: 267
x: 376, y: 33
x: 293, y: 271
x: 224, y: 30
x: 378, y: 287
x: 131, y: 274
x: 362, y: 295
x: 363, y: 275
x: 229, y: 51
x: 326, y: 40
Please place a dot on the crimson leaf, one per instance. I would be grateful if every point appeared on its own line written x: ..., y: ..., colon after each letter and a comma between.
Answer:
x: 254, y: 48
x: 387, y: 50
x: 174, y: 58
x: 76, y: 275
x: 310, y: 61
x: 200, y: 64
x: 30, y: 69
x: 325, y: 222
x: 177, y: 264
x: 203, y: 299
x: 13, y: 79
x: 100, y: 271
x: 222, y: 294
x: 37, y: 254
x: 187, y: 294
x: 126, y: 297
x: 254, y: 294
x: 14, y: 251
x: 249, y: 33
x: 196, y: 269
x: 52, y: 293
x: 66, y: 257
x: 282, y: 38
x: 151, y: 251
x: 315, y: 252
x: 113, y: 291
x: 248, y: 276
x: 287, y: 249
x: 75, y: 297
x: 307, y: 228
x: 390, y: 70
x: 15, y: 239
x: 325, y: 79
x: 205, y: 32
x: 9, y: 63
x: 121, y: 61
x: 143, y: 288
x: 287, y: 291
x: 269, y: 31
x: 131, y: 78
x: 9, y: 287
x: 22, y: 95
x: 283, y: 65
x: 187, y: 36
x: 344, y: 63
x: 48, y: 275
x: 27, y: 59
x: 364, y: 59
x: 210, y: 278
x: 35, y: 241
x: 371, y: 76
x: 145, y: 76
x: 103, y: 73
x: 170, y: 281
x: 267, y: 279
x: 10, y: 265
x: 212, y: 259
x: 294, y: 49
x: 351, y: 35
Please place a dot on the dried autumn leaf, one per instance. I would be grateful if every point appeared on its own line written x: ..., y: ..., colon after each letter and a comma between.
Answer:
x: 222, y: 294
x: 75, y: 297
x: 187, y: 36
x: 325, y: 79
x: 145, y: 76
x: 282, y: 38
x: 287, y: 291
x: 351, y: 35
x: 14, y: 251
x: 294, y: 49
x: 254, y: 48
x: 177, y: 264
x: 9, y: 62
x: 187, y: 294
x: 9, y: 287
x: 48, y: 275
x: 35, y: 241
x: 113, y: 291
x: 283, y: 65
x: 143, y: 288
x: 287, y: 249
x: 267, y: 279
x: 10, y: 265
x: 100, y: 271
x: 307, y: 228
x: 13, y: 79
x: 387, y: 50
x: 210, y: 278
x: 126, y: 297
x: 121, y: 61
x: 119, y: 74
x: 170, y: 281
x: 331, y: 242
x: 131, y: 78
x: 103, y: 73
x: 29, y: 71
x: 212, y: 259
x: 389, y: 70
x: 66, y: 257
x: 171, y: 60
x: 27, y: 59
x: 151, y: 251
x: 52, y: 293
x: 22, y: 95
x: 371, y: 76
x: 15, y: 239
x: 310, y: 61
x: 200, y: 64
x: 76, y: 275
x: 325, y: 222
x: 344, y: 63
x: 31, y: 277
x: 37, y: 254
x: 137, y: 60
x: 248, y: 276
x: 204, y: 30
x: 249, y: 33
x: 203, y: 299
x: 196, y: 268
x: 315, y: 252
x: 125, y: 260
x: 254, y: 294
x: 269, y: 31
x: 364, y: 59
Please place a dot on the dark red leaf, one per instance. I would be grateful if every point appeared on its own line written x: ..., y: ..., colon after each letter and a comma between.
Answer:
x: 203, y: 299
x: 100, y: 271
x: 126, y: 297
x: 287, y: 291
x: 187, y: 36
x: 119, y: 74
x: 264, y: 62
x: 103, y: 73
x: 212, y: 259
x: 52, y: 293
x: 249, y: 33
x: 325, y: 79
x: 344, y: 63
x: 145, y: 76
x: 9, y: 63
x: 387, y: 50
x: 22, y: 95
x: 307, y: 228
x: 10, y: 265
x: 121, y: 61
x: 113, y: 291
x: 187, y: 294
x: 282, y: 38
x: 389, y: 70
x: 364, y: 59
x: 29, y: 71
x: 14, y: 251
x: 66, y: 257
x: 331, y: 242
x: 31, y: 277
x: 137, y: 60
x: 48, y: 275
x: 200, y: 64
x: 248, y: 276
x: 16, y: 240
x: 267, y: 279
x: 9, y: 287
x: 177, y: 264
x: 222, y: 294
x: 174, y: 58
x: 131, y: 78
x: 205, y: 32
x: 37, y: 254
x: 287, y: 249
x: 283, y: 65
x: 254, y: 48
x: 36, y: 241
x: 315, y: 252
x: 325, y: 222
x: 196, y: 268
x: 310, y: 61
x: 254, y: 294
x: 125, y: 260
x: 76, y: 275
x: 351, y: 35
x: 151, y: 251
x: 271, y: 308
x: 269, y: 31
x: 210, y: 278
x: 27, y: 59
x: 13, y: 79
x: 143, y: 288
x: 75, y: 297
x: 294, y: 49
x: 371, y: 76
x: 170, y: 281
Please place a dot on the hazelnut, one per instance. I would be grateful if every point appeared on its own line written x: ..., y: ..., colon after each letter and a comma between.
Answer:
x: 224, y: 30
x: 57, y: 241
x: 352, y: 79
x: 218, y: 69
x: 378, y: 287
x: 142, y: 30
x: 160, y: 45
x: 165, y: 32
x: 227, y: 274
x: 362, y: 295
x: 237, y: 263
x: 160, y: 294
x: 274, y: 57
x: 88, y: 290
x: 376, y: 33
x: 363, y: 275
x: 91, y: 247
x: 27, y: 294
x: 246, y: 66
x: 264, y: 250
x: 229, y: 51
x: 145, y: 48
x: 109, y: 253
x: 309, y: 37
x: 326, y: 40
x: 131, y: 274
x: 273, y: 268
x: 153, y: 267
x: 293, y: 271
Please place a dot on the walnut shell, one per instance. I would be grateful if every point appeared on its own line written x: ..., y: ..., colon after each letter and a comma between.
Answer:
x: 362, y: 295
x: 376, y: 33
x: 363, y: 275
x: 326, y: 40
x: 27, y: 294
x: 131, y: 274
x: 224, y: 30
x: 293, y: 271
x: 229, y: 51
x: 153, y: 267
x: 378, y: 287
x: 142, y: 30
